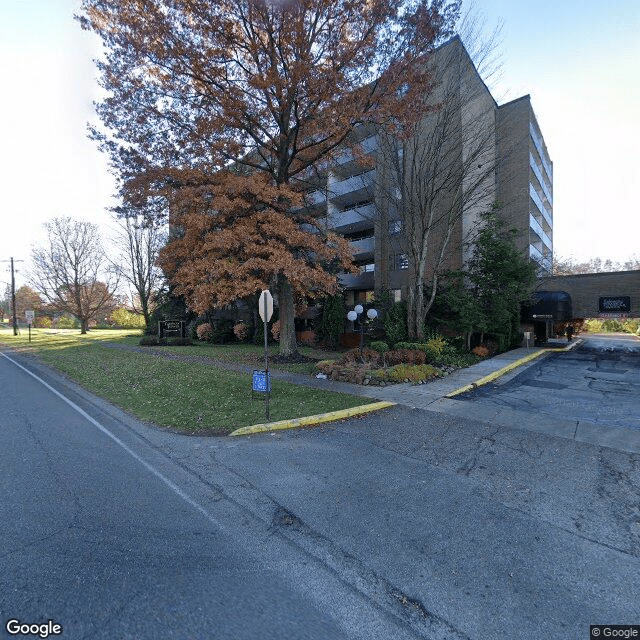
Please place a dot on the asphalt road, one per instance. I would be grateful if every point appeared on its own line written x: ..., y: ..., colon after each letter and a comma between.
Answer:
x: 402, y: 524
x: 599, y: 382
x: 109, y: 538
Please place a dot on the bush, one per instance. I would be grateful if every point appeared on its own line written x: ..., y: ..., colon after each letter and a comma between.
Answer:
x: 44, y: 322
x: 612, y: 326
x: 127, y: 320
x: 352, y: 357
x: 149, y: 341
x: 67, y: 323
x: 432, y: 352
x: 395, y: 323
x: 481, y: 351
x: 379, y: 346
x: 326, y: 365
x: 204, y: 331
x: 412, y: 373
x: 241, y: 331
x: 275, y: 330
x: 331, y: 323
x: 461, y: 360
x: 405, y: 356
x: 308, y: 337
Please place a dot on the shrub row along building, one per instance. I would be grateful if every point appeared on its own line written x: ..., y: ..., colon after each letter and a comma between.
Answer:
x: 419, y: 199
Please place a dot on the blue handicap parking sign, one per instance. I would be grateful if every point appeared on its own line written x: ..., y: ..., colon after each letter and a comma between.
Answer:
x: 261, y: 382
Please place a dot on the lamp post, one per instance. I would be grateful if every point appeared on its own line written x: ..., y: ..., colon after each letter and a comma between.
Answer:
x: 372, y: 314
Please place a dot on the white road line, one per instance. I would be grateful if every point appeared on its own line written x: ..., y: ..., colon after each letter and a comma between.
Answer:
x: 117, y: 440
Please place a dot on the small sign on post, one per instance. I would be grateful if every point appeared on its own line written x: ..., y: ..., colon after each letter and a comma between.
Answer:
x: 30, y: 315
x: 265, y: 309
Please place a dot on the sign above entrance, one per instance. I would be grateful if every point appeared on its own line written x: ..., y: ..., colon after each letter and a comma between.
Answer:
x: 614, y: 304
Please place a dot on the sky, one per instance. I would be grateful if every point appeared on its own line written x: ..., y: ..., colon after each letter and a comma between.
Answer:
x: 578, y: 59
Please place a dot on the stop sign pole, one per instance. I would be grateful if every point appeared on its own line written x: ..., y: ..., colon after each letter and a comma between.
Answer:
x: 265, y: 309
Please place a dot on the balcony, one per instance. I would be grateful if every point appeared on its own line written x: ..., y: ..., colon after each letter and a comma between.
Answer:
x: 537, y: 141
x: 544, y: 260
x: 346, y: 160
x: 543, y: 183
x: 353, y: 189
x: 357, y: 281
x: 363, y: 247
x: 540, y: 206
x: 352, y: 219
x: 536, y: 227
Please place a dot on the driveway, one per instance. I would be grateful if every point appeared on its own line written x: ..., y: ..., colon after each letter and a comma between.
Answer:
x: 591, y: 393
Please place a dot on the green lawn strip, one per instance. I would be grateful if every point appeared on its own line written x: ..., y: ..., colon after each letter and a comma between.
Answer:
x: 249, y: 354
x: 63, y: 338
x: 192, y: 398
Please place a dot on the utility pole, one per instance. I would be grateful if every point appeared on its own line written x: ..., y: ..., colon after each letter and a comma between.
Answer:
x: 13, y: 295
x: 13, y: 300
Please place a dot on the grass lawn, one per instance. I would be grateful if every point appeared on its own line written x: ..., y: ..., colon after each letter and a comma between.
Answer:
x: 191, y: 398
x: 249, y: 354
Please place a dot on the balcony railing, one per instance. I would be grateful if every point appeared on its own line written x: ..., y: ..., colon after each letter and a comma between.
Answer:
x: 356, y: 185
x: 540, y: 205
x: 357, y: 281
x: 537, y: 141
x: 543, y: 183
x: 536, y: 227
x: 352, y: 217
x: 368, y: 145
x: 364, y: 246
x: 540, y: 258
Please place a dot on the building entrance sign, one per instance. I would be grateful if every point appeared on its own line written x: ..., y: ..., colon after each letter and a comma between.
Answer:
x: 171, y: 329
x: 614, y: 304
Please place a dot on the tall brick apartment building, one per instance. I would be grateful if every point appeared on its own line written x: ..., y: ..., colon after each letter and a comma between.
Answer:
x: 489, y: 153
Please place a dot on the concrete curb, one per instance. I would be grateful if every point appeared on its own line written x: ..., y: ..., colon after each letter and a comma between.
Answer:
x: 510, y: 367
x: 309, y: 420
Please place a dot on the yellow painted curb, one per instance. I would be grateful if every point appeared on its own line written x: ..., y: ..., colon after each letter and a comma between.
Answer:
x: 509, y: 367
x: 308, y: 420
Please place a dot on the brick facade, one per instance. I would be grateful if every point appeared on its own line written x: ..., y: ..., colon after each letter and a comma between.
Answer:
x: 586, y: 290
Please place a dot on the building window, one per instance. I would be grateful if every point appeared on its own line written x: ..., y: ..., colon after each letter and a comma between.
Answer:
x: 369, y: 267
x: 396, y: 294
x: 398, y: 261
x: 395, y: 227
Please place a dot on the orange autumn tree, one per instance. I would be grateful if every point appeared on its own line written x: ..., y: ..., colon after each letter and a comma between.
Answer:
x: 244, y: 240
x: 275, y: 87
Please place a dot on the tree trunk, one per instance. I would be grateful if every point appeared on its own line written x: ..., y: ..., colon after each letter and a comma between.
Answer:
x: 411, y: 311
x: 84, y: 325
x: 288, y: 345
x: 419, y: 318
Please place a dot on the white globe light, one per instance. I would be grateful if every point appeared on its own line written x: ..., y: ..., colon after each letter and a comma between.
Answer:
x: 352, y: 315
x: 358, y: 309
x: 372, y: 313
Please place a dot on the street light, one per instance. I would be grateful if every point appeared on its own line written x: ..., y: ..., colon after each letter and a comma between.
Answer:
x: 372, y: 314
